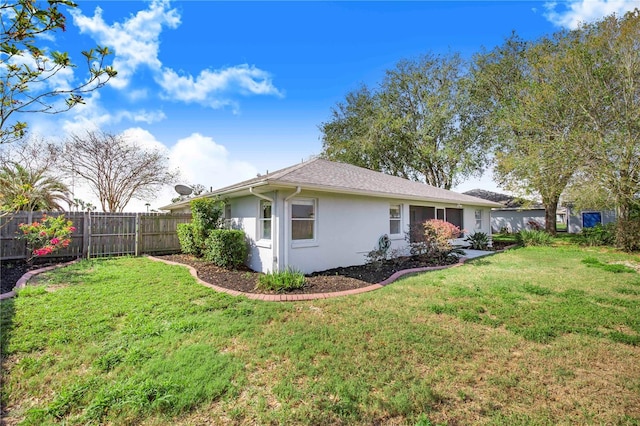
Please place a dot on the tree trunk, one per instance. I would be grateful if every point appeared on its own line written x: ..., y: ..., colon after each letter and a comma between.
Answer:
x: 550, y: 208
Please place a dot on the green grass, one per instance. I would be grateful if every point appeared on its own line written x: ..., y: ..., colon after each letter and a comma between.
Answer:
x: 530, y: 336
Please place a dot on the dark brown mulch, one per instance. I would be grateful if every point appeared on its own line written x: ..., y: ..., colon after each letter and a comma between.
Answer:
x: 245, y: 280
x: 12, y: 270
x: 329, y: 281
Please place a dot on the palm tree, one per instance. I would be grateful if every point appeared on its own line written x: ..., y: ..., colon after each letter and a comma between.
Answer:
x: 30, y: 190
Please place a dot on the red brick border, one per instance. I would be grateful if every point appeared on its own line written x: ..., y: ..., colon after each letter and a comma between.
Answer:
x: 310, y: 296
x: 22, y: 282
x: 255, y: 296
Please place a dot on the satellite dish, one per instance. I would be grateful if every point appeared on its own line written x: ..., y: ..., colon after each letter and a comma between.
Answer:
x: 183, y: 189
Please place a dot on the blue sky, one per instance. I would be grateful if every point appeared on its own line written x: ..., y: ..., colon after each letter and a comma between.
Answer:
x: 231, y: 89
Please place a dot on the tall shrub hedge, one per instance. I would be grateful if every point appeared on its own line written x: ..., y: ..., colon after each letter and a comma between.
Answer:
x: 203, y: 237
x: 187, y: 239
x: 225, y: 248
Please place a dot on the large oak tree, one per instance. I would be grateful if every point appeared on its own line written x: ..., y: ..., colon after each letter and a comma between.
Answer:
x: 540, y: 130
x: 419, y: 124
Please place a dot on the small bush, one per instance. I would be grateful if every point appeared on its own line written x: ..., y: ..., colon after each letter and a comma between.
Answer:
x: 286, y: 280
x: 528, y: 238
x: 478, y: 241
x: 187, y: 239
x: 435, y: 240
x: 599, y: 235
x: 225, y: 248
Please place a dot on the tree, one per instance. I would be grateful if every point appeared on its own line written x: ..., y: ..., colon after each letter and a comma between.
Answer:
x: 420, y: 124
x: 539, y: 149
x: 30, y: 190
x: 116, y: 169
x: 606, y: 69
x: 27, y: 82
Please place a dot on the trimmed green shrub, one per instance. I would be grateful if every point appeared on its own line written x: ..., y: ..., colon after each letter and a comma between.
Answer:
x: 225, y: 248
x: 599, y: 235
x: 530, y: 237
x: 187, y: 239
x: 286, y: 280
x: 478, y: 241
x: 207, y: 214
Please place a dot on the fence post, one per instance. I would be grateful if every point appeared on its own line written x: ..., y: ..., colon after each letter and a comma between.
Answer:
x: 137, y: 238
x: 86, y: 235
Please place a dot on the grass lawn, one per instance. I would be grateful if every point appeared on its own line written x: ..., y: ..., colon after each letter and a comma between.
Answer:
x: 529, y: 336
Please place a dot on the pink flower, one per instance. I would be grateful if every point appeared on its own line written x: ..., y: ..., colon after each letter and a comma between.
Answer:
x: 72, y: 228
x: 54, y: 241
x: 43, y: 234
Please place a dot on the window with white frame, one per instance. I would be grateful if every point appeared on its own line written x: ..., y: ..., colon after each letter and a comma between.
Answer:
x: 265, y: 220
x: 303, y: 219
x: 478, y: 219
x: 395, y: 219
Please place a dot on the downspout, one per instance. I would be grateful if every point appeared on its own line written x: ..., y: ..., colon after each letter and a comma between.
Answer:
x: 286, y: 226
x: 274, y: 228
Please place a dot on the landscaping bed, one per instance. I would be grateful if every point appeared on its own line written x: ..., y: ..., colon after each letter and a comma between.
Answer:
x: 245, y: 280
x: 12, y: 270
x: 332, y: 280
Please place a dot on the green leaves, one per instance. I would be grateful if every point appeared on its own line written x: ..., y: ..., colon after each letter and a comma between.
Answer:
x: 23, y: 23
x: 421, y: 124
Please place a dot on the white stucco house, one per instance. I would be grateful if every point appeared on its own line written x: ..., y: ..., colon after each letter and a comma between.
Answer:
x: 320, y: 214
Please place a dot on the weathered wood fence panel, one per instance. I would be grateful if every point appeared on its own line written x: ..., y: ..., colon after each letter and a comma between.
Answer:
x: 100, y: 234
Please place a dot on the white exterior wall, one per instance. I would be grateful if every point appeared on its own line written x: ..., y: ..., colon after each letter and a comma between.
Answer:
x: 348, y: 227
x: 244, y: 214
x: 516, y: 220
x: 574, y: 219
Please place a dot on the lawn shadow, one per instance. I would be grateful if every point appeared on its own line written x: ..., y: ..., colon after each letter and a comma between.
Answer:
x: 7, y: 313
x: 479, y: 262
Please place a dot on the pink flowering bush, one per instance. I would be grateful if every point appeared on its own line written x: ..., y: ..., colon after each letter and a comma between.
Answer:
x: 435, y: 239
x: 47, y: 236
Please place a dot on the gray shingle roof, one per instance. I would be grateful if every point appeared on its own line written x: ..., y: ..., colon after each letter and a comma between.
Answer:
x: 508, y: 201
x: 331, y: 176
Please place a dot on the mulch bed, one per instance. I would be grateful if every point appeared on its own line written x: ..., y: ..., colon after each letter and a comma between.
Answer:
x: 245, y: 280
x: 329, y: 281
x: 12, y: 270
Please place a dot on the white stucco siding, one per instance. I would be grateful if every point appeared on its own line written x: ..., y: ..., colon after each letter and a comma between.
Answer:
x: 575, y: 219
x: 244, y: 215
x: 346, y: 229
x: 516, y: 220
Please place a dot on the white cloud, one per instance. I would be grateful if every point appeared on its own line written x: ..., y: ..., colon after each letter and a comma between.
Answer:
x: 93, y: 116
x: 575, y: 12
x: 136, y: 43
x: 201, y: 160
x: 211, y: 85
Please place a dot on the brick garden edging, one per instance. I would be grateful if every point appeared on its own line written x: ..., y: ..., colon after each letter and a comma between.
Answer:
x: 22, y: 282
x: 310, y: 296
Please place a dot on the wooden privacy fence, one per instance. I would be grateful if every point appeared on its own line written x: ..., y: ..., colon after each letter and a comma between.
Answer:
x: 100, y: 234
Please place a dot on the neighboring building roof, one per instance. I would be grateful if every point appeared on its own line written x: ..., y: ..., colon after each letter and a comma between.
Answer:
x: 324, y: 175
x: 507, y: 201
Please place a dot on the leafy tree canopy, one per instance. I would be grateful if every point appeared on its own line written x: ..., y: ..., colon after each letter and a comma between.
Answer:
x: 419, y: 124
